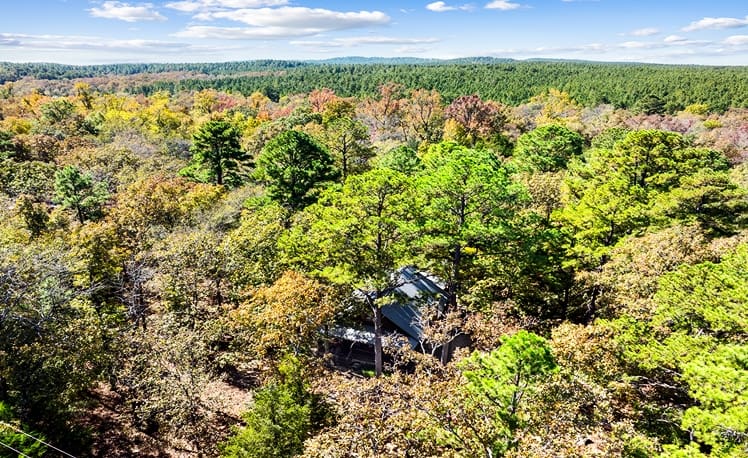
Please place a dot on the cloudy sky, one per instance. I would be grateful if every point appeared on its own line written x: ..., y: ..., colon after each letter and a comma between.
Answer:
x: 104, y: 31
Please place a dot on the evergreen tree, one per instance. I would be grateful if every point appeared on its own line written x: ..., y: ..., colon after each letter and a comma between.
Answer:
x: 78, y: 192
x: 217, y: 156
x: 285, y: 412
x: 293, y: 164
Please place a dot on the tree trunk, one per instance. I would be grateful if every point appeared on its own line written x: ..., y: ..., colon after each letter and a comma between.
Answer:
x: 444, y: 358
x: 344, y: 154
x: 377, y: 340
x: 79, y: 213
x: 453, y: 289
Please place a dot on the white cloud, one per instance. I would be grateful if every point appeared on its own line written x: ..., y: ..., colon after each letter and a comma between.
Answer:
x: 636, y: 51
x: 126, y: 12
x: 87, y: 49
x: 638, y: 45
x: 595, y: 48
x: 645, y: 32
x: 672, y: 42
x: 411, y: 50
x: 242, y: 33
x: 185, y: 7
x: 284, y: 22
x: 736, y: 40
x: 441, y: 7
x: 302, y: 18
x: 367, y: 40
x: 503, y: 5
x: 74, y: 42
x: 190, y: 6
x: 9, y: 41
x: 716, y: 23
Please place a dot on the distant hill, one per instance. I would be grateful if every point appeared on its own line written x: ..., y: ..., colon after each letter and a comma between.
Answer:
x: 357, y: 60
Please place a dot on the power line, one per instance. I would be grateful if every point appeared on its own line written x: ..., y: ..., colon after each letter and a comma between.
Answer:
x: 17, y: 451
x: 35, y: 438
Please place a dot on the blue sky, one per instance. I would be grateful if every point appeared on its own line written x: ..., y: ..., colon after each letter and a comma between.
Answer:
x: 105, y: 31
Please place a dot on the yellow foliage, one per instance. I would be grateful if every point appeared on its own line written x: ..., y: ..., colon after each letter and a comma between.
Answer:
x: 201, y: 197
x: 18, y: 126
x: 260, y: 104
x: 712, y: 124
x: 160, y: 201
x: 288, y: 314
x: 558, y: 108
x: 98, y: 253
x: 454, y: 132
x: 33, y: 101
x: 159, y: 118
x: 699, y: 109
x: 205, y: 101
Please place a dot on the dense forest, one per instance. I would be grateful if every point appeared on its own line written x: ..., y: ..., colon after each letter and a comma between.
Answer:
x: 180, y: 253
x: 509, y: 82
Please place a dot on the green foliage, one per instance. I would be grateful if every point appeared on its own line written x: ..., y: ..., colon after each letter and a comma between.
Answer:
x: 78, y: 192
x: 356, y: 236
x: 698, y: 331
x: 403, y: 159
x: 548, y: 148
x: 283, y: 416
x: 294, y: 165
x: 10, y: 437
x: 466, y: 208
x: 651, y: 104
x: 359, y: 230
x: 615, y: 192
x: 501, y: 380
x: 217, y: 156
x: 710, y: 198
x: 32, y: 178
x: 348, y: 140
x: 251, y: 250
x: 707, y: 299
x: 60, y: 119
x: 7, y: 145
x: 57, y: 111
x: 51, y: 339
x: 622, y: 85
x: 175, y: 296
x: 34, y: 215
x: 608, y: 138
x: 718, y: 382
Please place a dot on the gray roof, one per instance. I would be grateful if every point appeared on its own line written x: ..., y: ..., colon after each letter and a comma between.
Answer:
x: 415, y: 290
x: 364, y: 336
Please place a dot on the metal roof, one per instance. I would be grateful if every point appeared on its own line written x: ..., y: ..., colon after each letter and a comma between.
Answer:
x: 414, y: 291
x: 364, y: 336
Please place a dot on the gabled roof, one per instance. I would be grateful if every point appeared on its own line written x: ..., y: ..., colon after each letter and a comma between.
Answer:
x: 415, y: 290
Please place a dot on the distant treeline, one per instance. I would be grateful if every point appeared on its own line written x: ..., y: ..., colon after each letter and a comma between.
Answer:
x: 510, y: 82
x: 47, y: 71
x: 623, y: 85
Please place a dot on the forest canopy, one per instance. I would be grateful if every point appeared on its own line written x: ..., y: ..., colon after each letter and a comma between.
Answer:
x: 221, y: 259
x: 647, y: 87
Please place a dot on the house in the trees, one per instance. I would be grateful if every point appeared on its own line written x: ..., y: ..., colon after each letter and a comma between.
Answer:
x: 416, y: 297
